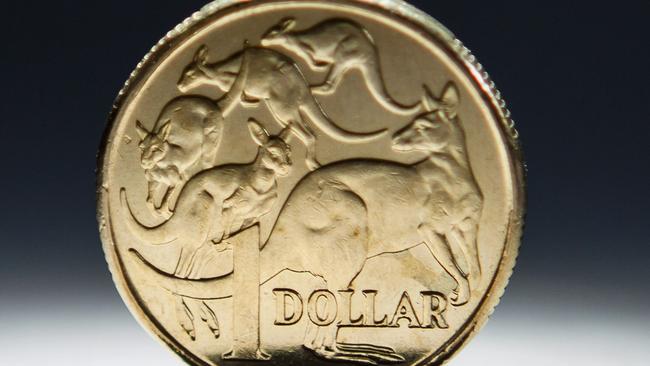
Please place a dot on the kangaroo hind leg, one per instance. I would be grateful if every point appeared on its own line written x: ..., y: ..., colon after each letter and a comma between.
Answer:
x: 441, y: 249
x: 468, y: 231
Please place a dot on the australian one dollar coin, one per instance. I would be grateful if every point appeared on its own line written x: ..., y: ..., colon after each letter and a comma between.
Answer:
x: 310, y: 183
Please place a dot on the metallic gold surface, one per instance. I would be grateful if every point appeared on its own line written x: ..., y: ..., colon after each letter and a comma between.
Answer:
x: 308, y: 182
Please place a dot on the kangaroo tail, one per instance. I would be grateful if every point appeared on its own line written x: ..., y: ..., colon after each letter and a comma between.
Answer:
x: 316, y: 115
x: 152, y: 235
x: 200, y: 289
x: 377, y: 86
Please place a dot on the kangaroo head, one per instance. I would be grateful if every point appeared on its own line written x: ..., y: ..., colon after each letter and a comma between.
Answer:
x: 279, y: 33
x: 153, y: 145
x: 274, y: 152
x: 195, y: 72
x: 433, y: 130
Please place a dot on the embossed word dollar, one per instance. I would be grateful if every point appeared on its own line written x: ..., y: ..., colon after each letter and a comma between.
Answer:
x: 431, y: 316
x: 306, y: 182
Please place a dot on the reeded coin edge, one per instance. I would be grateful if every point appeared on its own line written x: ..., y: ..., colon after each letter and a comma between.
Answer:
x: 416, y: 19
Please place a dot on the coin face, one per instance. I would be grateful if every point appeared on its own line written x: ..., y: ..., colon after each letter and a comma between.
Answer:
x: 310, y: 182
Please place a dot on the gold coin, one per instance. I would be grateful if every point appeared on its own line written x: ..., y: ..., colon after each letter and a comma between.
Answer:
x: 310, y: 182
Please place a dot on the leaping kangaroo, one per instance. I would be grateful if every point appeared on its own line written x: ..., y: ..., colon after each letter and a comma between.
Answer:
x: 337, y: 45
x: 259, y: 74
x: 345, y: 213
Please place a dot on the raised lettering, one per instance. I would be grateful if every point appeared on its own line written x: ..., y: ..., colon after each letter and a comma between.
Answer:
x: 405, y: 310
x: 282, y: 315
x: 326, y: 314
x: 345, y: 311
x: 434, y: 304
x: 369, y: 306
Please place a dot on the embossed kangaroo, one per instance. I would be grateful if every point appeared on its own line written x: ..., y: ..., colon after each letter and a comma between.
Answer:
x: 337, y: 45
x: 345, y: 213
x: 220, y: 201
x: 183, y: 141
x: 258, y: 74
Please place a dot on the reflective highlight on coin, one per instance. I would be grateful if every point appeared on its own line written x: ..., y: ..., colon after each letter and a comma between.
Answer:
x: 310, y: 182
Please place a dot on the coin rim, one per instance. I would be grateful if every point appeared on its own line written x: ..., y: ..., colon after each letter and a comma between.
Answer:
x: 405, y: 13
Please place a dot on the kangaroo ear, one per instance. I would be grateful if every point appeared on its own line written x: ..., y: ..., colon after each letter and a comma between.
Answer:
x: 163, y: 133
x: 141, y: 130
x: 258, y: 133
x: 451, y: 99
x: 287, y: 24
x: 429, y: 101
x: 201, y: 55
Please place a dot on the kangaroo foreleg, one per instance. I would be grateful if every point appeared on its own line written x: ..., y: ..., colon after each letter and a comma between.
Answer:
x: 333, y: 79
x: 152, y: 187
x: 156, y: 192
x: 249, y: 101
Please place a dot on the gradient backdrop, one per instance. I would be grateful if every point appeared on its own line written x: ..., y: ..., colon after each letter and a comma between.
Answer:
x: 575, y: 74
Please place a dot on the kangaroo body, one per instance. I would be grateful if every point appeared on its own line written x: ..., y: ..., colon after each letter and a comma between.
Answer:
x: 368, y: 205
x: 183, y: 141
x: 337, y: 46
x: 262, y: 75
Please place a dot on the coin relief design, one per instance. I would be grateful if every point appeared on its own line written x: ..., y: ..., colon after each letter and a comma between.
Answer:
x: 310, y: 182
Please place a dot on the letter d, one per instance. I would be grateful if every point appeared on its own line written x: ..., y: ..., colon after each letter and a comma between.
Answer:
x: 282, y: 315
